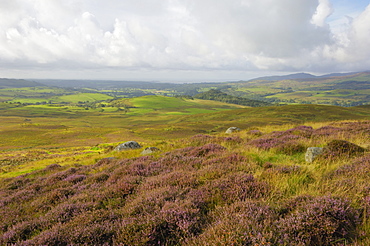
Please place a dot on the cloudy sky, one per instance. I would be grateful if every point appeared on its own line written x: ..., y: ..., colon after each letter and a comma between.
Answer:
x: 182, y: 40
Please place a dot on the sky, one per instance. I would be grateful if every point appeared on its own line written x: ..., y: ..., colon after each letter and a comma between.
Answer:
x: 181, y: 40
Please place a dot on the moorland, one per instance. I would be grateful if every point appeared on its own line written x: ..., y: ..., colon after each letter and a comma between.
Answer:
x: 62, y: 182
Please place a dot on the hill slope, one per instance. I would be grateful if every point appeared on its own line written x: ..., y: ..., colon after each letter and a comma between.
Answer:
x: 250, y: 187
x: 17, y: 83
x: 218, y: 95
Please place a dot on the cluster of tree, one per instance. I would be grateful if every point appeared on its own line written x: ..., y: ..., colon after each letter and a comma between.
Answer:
x: 218, y: 95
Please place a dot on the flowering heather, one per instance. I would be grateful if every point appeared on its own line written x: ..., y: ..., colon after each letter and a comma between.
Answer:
x: 52, y: 167
x: 341, y: 148
x: 239, y: 187
x: 303, y: 131
x: 321, y: 221
x: 205, y: 150
x: 241, y: 223
x: 233, y: 140
x: 284, y: 143
x: 358, y: 167
x: 75, y: 178
x: 356, y: 127
x: 326, y: 131
x: 255, y: 132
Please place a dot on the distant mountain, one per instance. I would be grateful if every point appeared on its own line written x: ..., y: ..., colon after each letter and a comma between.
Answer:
x: 289, y: 76
x: 105, y: 84
x: 17, y: 83
x: 304, y: 76
x: 337, y: 74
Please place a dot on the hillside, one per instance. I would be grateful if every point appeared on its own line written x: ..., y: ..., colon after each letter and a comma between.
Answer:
x: 17, y: 83
x: 218, y: 95
x: 249, y: 188
x: 351, y: 89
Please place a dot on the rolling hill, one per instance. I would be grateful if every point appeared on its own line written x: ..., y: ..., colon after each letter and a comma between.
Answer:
x: 17, y: 83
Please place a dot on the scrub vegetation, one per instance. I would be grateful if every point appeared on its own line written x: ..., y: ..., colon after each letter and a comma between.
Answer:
x: 248, y: 188
x: 62, y: 182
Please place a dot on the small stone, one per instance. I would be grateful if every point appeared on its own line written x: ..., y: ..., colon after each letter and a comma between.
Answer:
x: 128, y: 145
x: 312, y: 153
x: 232, y: 129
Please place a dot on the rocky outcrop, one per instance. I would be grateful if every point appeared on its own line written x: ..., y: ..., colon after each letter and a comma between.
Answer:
x: 312, y: 153
x: 128, y: 145
x: 232, y: 129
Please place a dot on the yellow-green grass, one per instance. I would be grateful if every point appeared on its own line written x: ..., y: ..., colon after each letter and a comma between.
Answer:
x: 161, y: 105
x: 31, y: 125
x: 84, y: 97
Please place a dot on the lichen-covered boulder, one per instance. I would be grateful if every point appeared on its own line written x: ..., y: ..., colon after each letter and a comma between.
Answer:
x: 128, y: 145
x: 149, y: 150
x: 232, y: 129
x: 312, y: 153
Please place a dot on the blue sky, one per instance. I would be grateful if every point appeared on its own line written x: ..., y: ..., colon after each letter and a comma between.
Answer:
x: 182, y: 40
x: 344, y: 8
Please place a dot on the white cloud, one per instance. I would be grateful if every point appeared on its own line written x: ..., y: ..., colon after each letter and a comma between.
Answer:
x: 280, y: 35
x: 323, y: 11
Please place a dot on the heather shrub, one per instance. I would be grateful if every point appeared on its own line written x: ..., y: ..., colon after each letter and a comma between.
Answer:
x: 341, y: 148
x: 205, y: 150
x: 18, y: 183
x: 176, y: 221
x: 100, y: 177
x: 75, y: 178
x: 67, y: 211
x: 52, y: 167
x: 242, y: 223
x: 320, y: 221
x: 326, y: 131
x: 255, y: 133
x: 20, y: 232
x: 146, y: 167
x: 285, y: 143
x: 359, y: 167
x: 56, y: 177
x: 94, y: 228
x: 150, y: 202
x: 238, y: 187
x: 232, y: 141
x: 225, y: 163
x: 176, y: 179
x: 52, y: 198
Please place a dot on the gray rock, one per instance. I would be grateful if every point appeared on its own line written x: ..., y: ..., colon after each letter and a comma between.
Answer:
x: 232, y: 129
x: 149, y: 150
x: 128, y: 145
x: 312, y: 153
